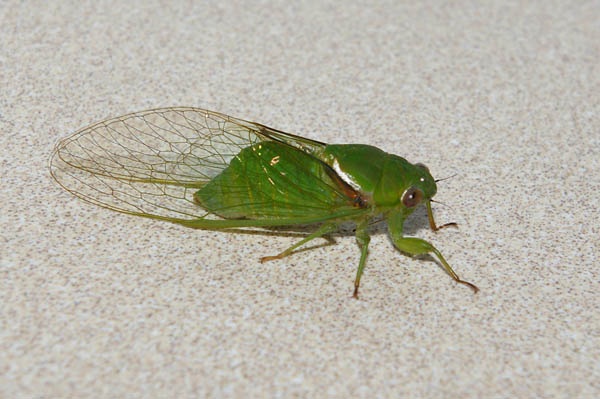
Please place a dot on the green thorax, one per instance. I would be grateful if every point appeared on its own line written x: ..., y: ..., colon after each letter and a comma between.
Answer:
x: 382, y: 178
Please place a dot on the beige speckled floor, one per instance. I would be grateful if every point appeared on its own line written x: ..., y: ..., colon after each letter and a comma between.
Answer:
x: 97, y: 304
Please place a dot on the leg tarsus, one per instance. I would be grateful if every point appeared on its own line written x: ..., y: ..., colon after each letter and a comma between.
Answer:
x: 432, y: 224
x: 451, y: 224
x: 472, y: 286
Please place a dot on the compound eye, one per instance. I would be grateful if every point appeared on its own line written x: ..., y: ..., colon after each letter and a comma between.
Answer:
x: 412, y: 197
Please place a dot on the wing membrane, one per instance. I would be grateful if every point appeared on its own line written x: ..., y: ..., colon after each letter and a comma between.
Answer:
x: 151, y: 163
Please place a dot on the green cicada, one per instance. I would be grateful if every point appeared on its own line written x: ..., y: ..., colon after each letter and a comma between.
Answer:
x: 207, y: 170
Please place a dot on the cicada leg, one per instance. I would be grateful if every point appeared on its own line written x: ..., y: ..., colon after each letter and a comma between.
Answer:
x: 432, y: 224
x: 417, y: 246
x: 323, y: 230
x: 363, y: 239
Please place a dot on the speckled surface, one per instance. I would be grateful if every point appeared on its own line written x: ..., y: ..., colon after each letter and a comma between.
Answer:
x: 506, y: 96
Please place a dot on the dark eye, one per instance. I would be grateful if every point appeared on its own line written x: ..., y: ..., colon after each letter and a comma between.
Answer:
x: 412, y: 197
x: 420, y: 165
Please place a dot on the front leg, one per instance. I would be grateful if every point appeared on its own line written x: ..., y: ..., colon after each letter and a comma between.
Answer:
x: 417, y: 246
x: 432, y: 224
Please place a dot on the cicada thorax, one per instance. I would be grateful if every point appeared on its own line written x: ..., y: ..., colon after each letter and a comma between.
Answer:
x: 380, y: 180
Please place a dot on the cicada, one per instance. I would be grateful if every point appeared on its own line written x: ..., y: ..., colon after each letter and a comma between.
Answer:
x: 206, y: 170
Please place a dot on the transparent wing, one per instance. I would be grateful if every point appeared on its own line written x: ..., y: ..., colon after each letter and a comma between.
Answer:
x: 150, y: 163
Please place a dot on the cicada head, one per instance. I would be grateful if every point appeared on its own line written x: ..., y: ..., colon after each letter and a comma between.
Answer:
x: 404, y: 185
